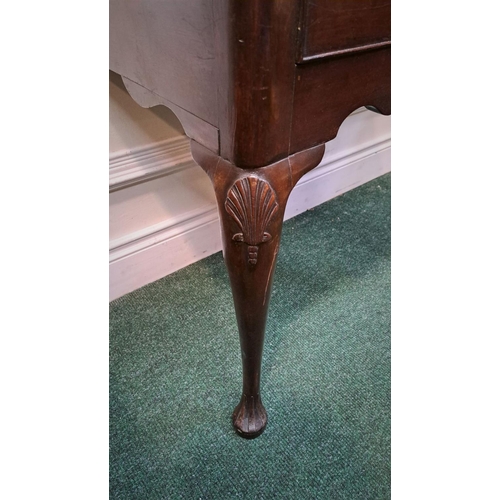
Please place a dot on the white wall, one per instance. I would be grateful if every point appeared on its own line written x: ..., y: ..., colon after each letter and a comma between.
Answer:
x: 162, y: 207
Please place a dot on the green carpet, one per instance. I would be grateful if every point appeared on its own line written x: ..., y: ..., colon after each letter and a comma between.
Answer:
x: 175, y: 373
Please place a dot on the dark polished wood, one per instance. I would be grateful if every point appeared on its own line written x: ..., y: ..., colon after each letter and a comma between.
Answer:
x: 251, y: 209
x: 347, y: 83
x: 168, y: 48
x: 330, y: 27
x: 260, y: 86
x: 260, y: 49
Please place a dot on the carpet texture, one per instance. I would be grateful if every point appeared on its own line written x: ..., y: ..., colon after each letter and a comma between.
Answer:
x: 175, y: 373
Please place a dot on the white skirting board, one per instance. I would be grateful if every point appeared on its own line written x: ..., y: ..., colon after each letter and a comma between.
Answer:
x: 150, y: 241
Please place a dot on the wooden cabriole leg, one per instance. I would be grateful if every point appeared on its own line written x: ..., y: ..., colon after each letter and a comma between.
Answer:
x: 251, y: 208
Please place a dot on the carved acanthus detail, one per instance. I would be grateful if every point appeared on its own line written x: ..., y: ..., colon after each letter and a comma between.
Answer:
x: 252, y: 203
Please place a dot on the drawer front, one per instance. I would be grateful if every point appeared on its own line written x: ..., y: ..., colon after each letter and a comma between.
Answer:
x: 330, y: 26
x: 328, y: 90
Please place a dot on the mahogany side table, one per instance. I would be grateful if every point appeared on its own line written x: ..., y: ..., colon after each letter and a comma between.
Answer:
x: 259, y: 86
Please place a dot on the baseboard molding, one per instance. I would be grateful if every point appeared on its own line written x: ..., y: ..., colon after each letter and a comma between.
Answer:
x: 156, y: 251
x: 337, y: 175
x: 141, y: 164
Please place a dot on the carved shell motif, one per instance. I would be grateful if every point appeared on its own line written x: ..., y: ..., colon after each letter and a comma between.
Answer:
x: 252, y: 203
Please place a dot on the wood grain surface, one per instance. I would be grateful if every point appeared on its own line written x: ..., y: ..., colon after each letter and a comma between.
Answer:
x: 329, y: 26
